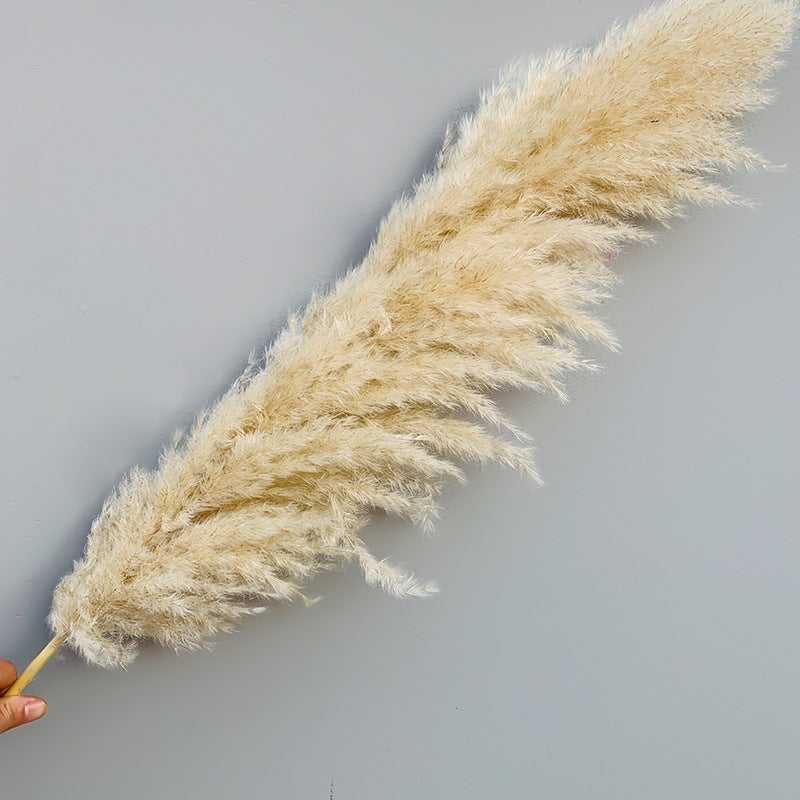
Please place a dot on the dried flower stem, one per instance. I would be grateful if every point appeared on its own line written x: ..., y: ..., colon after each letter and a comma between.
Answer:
x: 32, y: 670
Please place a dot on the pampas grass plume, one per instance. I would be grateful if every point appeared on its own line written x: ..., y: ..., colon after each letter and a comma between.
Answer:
x: 484, y: 277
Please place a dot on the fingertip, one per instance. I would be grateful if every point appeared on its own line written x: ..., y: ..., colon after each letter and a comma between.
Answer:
x: 8, y: 673
x: 34, y: 708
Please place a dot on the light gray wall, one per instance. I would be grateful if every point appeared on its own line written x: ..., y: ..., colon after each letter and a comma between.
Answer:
x: 176, y: 176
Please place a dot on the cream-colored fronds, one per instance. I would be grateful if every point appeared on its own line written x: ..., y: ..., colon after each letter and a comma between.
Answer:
x: 485, y: 277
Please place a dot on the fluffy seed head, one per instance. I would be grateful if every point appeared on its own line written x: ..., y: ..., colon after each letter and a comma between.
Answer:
x: 485, y: 277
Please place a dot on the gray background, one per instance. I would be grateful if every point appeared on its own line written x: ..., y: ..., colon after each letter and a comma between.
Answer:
x: 175, y: 178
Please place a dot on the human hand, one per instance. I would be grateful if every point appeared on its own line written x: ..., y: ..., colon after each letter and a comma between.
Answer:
x: 16, y: 711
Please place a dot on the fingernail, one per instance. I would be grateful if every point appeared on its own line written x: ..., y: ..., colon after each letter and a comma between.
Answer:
x: 34, y: 709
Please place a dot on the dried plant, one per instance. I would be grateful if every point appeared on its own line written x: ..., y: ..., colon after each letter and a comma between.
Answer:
x: 484, y: 277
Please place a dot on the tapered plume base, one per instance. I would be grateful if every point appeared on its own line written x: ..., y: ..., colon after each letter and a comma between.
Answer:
x: 32, y: 670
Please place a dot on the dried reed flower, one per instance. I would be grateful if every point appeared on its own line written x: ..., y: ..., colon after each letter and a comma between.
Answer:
x: 483, y: 278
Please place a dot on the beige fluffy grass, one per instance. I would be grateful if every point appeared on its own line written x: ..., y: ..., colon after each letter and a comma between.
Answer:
x: 483, y: 278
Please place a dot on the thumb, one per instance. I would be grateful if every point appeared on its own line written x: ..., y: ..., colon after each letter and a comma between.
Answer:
x: 16, y: 711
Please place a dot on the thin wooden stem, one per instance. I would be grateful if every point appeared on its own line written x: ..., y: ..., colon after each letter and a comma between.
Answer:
x: 33, y: 668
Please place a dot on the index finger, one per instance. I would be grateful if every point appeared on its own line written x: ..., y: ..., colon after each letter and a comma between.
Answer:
x: 8, y: 674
